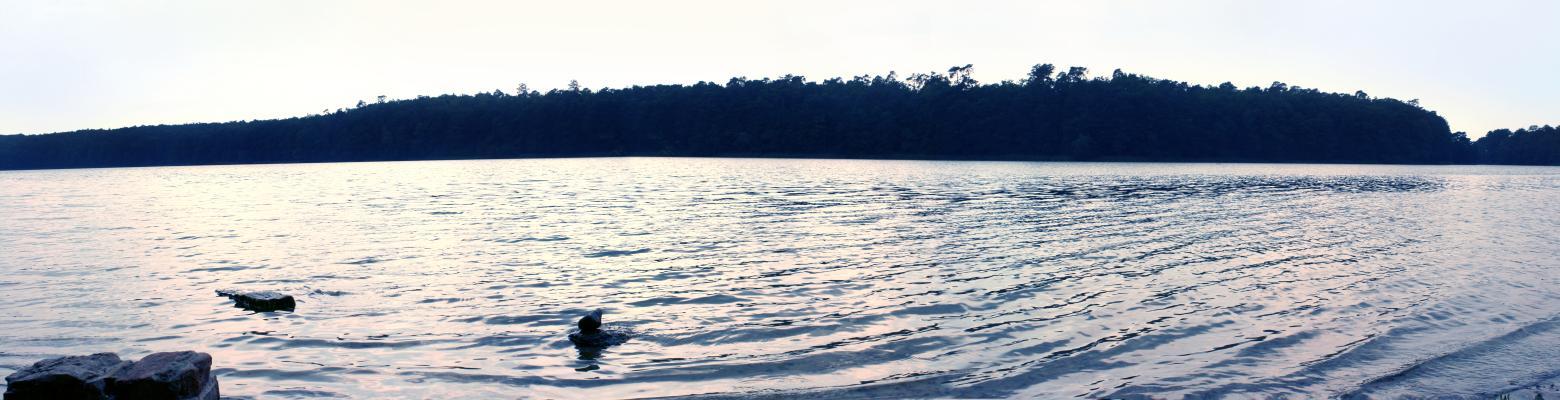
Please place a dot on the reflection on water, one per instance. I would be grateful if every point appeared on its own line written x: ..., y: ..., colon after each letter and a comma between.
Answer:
x: 797, y: 277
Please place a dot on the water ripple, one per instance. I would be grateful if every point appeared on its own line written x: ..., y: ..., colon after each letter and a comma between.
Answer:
x: 798, y: 278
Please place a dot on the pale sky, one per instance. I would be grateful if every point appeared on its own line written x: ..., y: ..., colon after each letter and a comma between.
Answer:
x: 67, y: 65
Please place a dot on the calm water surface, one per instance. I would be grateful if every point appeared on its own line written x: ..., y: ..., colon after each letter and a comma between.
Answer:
x: 798, y: 277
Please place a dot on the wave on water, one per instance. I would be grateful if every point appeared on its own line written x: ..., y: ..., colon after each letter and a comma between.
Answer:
x: 744, y: 279
x: 1522, y: 358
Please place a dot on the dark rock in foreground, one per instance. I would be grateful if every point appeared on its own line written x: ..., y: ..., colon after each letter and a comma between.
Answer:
x: 590, y: 323
x: 72, y: 377
x: 174, y: 376
x: 599, y: 339
x: 591, y: 335
x: 184, y: 375
x: 260, y: 301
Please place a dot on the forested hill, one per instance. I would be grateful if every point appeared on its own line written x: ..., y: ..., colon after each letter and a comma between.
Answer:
x: 1050, y: 115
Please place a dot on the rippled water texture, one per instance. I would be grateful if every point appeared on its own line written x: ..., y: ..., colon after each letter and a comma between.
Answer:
x: 798, y: 277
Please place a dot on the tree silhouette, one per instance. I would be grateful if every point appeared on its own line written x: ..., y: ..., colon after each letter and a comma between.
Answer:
x: 1049, y: 115
x: 1535, y: 145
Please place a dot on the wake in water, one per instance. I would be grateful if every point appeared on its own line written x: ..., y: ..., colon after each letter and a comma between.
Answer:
x: 1526, y: 357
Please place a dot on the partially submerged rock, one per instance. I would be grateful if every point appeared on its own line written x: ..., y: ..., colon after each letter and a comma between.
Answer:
x: 174, y: 376
x: 72, y: 377
x: 591, y: 323
x: 591, y: 335
x: 184, y: 375
x: 603, y: 338
x: 260, y: 301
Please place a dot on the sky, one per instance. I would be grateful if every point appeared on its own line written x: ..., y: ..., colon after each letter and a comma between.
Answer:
x: 67, y: 64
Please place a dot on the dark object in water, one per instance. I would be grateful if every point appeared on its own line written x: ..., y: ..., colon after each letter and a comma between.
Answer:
x: 71, y: 377
x: 599, y: 339
x: 260, y: 301
x: 592, y: 336
x: 591, y: 323
x: 174, y: 376
x: 184, y: 375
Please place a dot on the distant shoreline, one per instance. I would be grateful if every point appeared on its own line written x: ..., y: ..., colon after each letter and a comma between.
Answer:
x: 781, y: 157
x: 1050, y: 115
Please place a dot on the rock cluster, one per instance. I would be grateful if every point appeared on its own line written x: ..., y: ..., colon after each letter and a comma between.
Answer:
x: 184, y: 375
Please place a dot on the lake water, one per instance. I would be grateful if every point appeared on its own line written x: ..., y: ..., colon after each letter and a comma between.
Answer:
x: 805, y: 278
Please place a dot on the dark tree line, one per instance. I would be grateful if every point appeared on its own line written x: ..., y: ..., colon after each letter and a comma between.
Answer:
x: 1050, y: 115
x: 1536, y: 145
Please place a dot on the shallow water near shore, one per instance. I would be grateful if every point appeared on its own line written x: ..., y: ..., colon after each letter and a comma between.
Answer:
x: 754, y: 277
